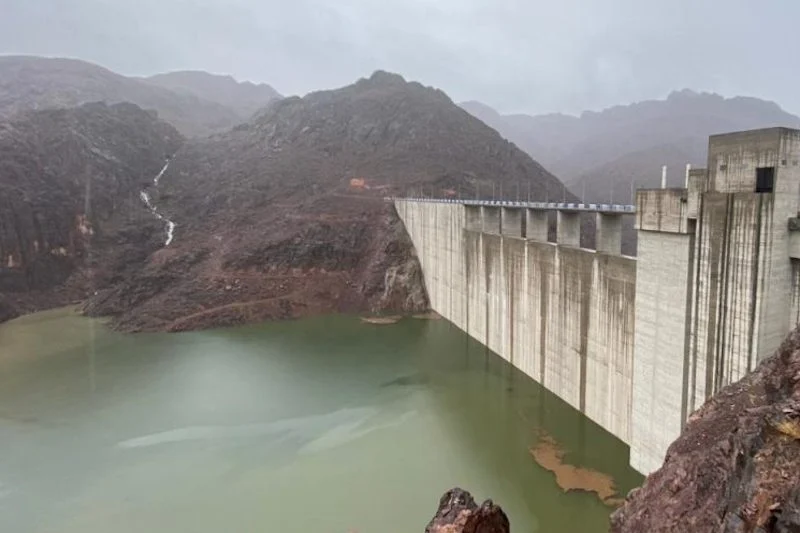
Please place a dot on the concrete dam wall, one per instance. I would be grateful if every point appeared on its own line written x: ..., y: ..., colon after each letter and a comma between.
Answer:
x: 561, y: 314
x: 636, y: 344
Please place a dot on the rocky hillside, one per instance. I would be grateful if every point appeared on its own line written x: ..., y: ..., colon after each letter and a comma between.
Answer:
x: 32, y: 83
x: 735, y: 467
x: 69, y: 185
x: 245, y: 98
x: 600, y: 154
x: 283, y: 216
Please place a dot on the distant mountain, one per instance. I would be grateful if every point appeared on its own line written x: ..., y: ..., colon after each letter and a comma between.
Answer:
x: 284, y: 216
x: 31, y: 83
x: 245, y: 98
x: 70, y: 182
x: 603, y: 153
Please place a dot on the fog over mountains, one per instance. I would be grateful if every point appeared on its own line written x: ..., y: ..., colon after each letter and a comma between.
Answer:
x: 601, y: 155
x: 195, y: 103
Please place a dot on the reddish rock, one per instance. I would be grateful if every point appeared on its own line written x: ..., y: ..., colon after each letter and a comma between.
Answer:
x: 458, y: 513
x: 736, y: 467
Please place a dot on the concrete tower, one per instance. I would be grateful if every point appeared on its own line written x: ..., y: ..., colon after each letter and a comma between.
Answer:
x: 717, y: 275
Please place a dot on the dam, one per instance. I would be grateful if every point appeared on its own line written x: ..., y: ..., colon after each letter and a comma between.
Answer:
x: 635, y: 343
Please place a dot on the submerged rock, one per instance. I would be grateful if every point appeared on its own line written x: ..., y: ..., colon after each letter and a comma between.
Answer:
x: 736, y: 466
x: 458, y: 513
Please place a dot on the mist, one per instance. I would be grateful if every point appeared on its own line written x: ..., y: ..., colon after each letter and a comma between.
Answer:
x: 517, y: 56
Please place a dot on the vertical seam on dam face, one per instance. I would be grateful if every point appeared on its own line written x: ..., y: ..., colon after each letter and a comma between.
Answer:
x: 586, y: 293
x: 487, y: 272
x: 544, y: 303
x: 753, y: 300
x: 511, y: 318
x: 714, y: 259
x: 696, y: 283
x: 687, y: 336
x: 723, y: 309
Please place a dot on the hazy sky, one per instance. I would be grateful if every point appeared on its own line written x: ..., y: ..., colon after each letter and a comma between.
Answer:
x: 516, y: 55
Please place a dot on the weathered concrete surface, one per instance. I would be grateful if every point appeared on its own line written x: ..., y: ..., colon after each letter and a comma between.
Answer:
x: 491, y: 219
x: 717, y: 288
x: 609, y: 234
x: 662, y: 306
x: 536, y: 225
x: 662, y: 210
x: 513, y: 221
x: 563, y: 315
x: 698, y: 181
x: 568, y: 229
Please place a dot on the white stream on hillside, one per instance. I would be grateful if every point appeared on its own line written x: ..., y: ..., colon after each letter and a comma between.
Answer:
x: 146, y: 199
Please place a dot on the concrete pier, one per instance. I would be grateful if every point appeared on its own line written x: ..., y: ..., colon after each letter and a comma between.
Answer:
x: 536, y: 225
x: 491, y: 219
x: 568, y: 229
x: 513, y: 222
x: 609, y: 233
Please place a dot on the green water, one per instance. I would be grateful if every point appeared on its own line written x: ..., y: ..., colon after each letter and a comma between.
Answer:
x: 319, y: 425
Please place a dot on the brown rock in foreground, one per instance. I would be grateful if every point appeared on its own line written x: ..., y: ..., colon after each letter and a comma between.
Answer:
x: 736, y: 467
x: 458, y: 513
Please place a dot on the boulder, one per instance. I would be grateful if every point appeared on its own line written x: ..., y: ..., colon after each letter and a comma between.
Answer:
x: 458, y: 513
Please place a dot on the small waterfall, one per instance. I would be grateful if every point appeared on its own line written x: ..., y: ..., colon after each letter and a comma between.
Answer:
x: 145, y: 196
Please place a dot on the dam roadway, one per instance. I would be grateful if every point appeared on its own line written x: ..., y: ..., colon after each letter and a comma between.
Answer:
x: 635, y: 343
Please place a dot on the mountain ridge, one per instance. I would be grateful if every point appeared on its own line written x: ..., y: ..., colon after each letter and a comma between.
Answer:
x: 589, y: 152
x: 33, y: 82
x: 283, y: 216
x: 244, y: 97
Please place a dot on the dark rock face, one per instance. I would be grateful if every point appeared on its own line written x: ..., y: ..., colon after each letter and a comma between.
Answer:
x: 7, y: 311
x: 284, y: 216
x: 735, y: 467
x: 458, y: 513
x: 69, y: 193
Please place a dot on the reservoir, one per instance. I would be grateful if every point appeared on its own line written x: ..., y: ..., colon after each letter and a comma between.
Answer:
x: 326, y: 424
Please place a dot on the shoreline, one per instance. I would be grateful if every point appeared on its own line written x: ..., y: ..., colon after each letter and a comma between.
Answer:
x: 76, y: 308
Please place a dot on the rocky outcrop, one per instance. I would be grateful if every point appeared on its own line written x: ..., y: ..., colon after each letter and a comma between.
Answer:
x: 458, y: 513
x: 69, y: 199
x: 285, y: 216
x: 734, y: 469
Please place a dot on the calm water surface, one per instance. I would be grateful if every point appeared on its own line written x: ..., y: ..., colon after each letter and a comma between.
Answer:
x: 319, y: 425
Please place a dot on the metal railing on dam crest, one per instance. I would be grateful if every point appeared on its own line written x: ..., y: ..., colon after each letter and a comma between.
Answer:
x: 547, y: 206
